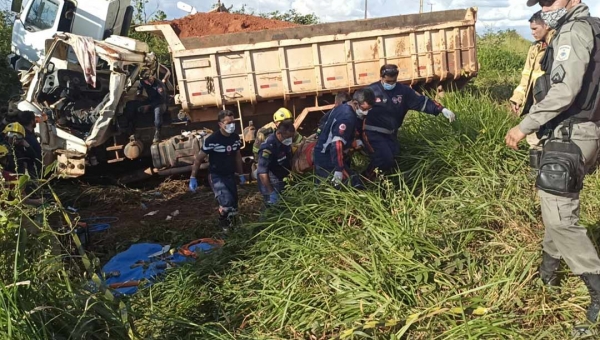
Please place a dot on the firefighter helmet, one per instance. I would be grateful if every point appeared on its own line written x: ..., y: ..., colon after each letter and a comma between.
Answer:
x: 281, y: 115
x: 14, y: 129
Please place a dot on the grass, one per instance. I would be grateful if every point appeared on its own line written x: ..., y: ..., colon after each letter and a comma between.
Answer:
x: 447, y: 248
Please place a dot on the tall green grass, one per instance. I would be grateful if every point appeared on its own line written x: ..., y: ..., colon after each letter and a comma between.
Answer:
x: 447, y: 248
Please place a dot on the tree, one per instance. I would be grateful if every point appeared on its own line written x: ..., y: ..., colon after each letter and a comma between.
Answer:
x: 10, y: 85
x: 293, y: 16
x: 290, y: 16
x: 157, y: 44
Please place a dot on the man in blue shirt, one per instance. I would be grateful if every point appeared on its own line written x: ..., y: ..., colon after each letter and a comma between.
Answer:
x: 392, y: 102
x: 275, y: 161
x: 338, y: 135
x: 223, y: 149
x: 157, y: 99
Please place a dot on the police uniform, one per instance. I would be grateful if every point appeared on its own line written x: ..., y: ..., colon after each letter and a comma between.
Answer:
x: 266, y: 131
x: 222, y: 152
x: 274, y: 159
x: 571, y: 81
x: 157, y: 99
x: 336, y: 137
x: 380, y: 129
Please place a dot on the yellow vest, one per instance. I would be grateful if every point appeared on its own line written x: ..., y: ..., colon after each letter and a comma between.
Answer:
x: 531, y: 72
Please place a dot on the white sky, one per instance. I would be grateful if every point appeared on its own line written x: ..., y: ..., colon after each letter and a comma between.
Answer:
x: 493, y: 14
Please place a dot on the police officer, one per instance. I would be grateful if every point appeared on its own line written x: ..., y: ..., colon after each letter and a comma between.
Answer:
x: 157, y: 99
x: 223, y: 149
x: 571, y: 80
x: 380, y: 129
x: 275, y: 161
x: 279, y: 116
x: 338, y: 135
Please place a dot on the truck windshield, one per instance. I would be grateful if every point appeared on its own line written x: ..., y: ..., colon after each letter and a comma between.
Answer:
x: 42, y: 14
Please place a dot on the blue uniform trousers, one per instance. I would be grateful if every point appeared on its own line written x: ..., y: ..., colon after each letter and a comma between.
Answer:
x: 382, y: 149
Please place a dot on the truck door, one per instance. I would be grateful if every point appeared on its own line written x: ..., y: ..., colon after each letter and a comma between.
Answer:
x: 37, y: 23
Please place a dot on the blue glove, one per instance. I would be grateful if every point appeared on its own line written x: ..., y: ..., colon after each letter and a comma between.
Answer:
x: 193, y: 184
x: 242, y: 179
x: 273, y: 197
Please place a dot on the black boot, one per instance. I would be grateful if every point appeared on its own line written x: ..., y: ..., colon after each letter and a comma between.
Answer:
x: 156, y: 135
x: 549, y: 269
x: 592, y: 282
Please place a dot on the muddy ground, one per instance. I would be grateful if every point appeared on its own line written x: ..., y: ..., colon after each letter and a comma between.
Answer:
x: 196, y: 218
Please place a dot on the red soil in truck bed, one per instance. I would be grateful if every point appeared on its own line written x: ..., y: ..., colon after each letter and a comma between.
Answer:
x: 203, y: 24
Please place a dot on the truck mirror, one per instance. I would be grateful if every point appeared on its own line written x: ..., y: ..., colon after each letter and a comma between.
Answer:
x: 16, y: 6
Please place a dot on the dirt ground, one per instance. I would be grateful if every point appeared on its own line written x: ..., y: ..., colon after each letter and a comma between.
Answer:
x: 196, y: 218
x: 202, y: 24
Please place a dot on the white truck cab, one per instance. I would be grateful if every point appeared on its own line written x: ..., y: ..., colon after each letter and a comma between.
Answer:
x: 38, y: 21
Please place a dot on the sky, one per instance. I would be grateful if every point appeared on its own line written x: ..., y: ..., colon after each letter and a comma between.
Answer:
x: 492, y: 15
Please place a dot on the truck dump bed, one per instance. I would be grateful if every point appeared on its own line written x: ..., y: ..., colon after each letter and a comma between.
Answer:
x: 325, y: 58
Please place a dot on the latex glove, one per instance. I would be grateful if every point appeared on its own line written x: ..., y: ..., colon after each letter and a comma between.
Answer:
x: 358, y: 144
x: 193, y: 184
x: 338, y: 176
x: 242, y: 179
x: 273, y: 197
x: 449, y: 114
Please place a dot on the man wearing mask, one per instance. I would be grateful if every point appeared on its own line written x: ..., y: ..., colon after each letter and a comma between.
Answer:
x: 567, y: 103
x: 223, y: 148
x: 157, y: 100
x: 281, y: 115
x: 380, y: 129
x: 523, y: 98
x: 275, y: 162
x: 337, y: 135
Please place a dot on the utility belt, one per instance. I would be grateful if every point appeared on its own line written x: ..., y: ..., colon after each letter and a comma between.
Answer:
x: 378, y: 129
x: 560, y: 164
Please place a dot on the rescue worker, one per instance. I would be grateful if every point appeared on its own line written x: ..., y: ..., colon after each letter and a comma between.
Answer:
x: 10, y: 180
x: 275, y: 161
x: 337, y: 136
x: 27, y: 120
x: 21, y: 153
x: 157, y: 100
x: 522, y: 98
x: 392, y: 102
x: 568, y: 103
x: 261, y: 135
x: 340, y: 99
x: 225, y: 160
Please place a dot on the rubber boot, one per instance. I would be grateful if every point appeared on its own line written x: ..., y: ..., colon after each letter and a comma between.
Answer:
x: 592, y: 282
x: 156, y: 135
x: 549, y: 269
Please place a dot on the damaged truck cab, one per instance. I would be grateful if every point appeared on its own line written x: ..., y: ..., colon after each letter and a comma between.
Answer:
x: 81, y: 112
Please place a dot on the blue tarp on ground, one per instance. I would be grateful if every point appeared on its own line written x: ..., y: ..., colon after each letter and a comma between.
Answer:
x: 122, y: 262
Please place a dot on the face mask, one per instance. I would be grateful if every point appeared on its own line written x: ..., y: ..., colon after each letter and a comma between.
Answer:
x: 388, y: 87
x: 553, y: 17
x: 361, y: 113
x: 287, y: 141
x: 230, y: 128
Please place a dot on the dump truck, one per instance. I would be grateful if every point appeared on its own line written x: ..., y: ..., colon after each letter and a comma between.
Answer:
x: 250, y: 73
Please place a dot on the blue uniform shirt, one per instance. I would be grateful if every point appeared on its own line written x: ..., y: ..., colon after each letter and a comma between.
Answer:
x: 274, y: 157
x: 337, y: 135
x: 157, y: 91
x: 391, y: 106
x: 222, y: 152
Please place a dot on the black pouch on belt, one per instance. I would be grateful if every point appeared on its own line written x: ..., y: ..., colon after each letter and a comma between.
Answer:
x: 561, y: 168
